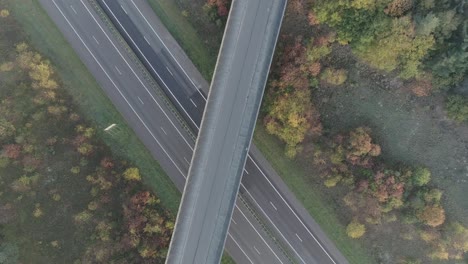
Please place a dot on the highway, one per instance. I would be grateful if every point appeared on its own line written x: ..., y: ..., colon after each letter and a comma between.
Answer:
x: 226, y: 130
x: 150, y: 116
x: 136, y: 23
x: 136, y: 100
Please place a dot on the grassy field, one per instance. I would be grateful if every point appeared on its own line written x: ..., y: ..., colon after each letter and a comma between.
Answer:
x: 42, y: 33
x: 186, y: 36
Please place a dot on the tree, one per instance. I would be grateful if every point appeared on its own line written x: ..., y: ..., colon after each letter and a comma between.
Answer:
x: 399, y: 48
x: 132, y: 174
x: 432, y: 215
x: 399, y: 7
x: 355, y: 229
x: 12, y: 151
x: 7, y: 129
x: 421, y: 176
x: 457, y: 108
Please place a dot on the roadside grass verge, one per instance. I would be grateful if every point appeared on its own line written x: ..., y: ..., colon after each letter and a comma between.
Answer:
x: 295, y: 177
x: 187, y: 37
x: 42, y: 33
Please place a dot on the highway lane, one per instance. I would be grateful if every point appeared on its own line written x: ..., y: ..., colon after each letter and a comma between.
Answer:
x: 147, y: 114
x: 271, y: 202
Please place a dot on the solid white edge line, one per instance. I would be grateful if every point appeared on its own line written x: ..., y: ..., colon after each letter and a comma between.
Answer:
x: 133, y: 71
x: 115, y: 85
x: 259, y: 234
x: 146, y: 59
x: 180, y: 66
x: 248, y: 155
x: 240, y: 248
x: 107, y: 75
x: 277, y: 229
x: 279, y: 194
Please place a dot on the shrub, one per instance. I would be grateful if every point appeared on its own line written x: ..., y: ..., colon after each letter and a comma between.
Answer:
x: 432, y: 215
x: 457, y: 108
x: 132, y: 174
x: 334, y: 76
x: 421, y: 176
x: 333, y: 181
x: 355, y: 229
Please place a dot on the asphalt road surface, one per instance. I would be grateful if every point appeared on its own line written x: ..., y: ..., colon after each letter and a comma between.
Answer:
x: 226, y: 131
x: 135, y: 21
x: 163, y: 135
x: 149, y: 116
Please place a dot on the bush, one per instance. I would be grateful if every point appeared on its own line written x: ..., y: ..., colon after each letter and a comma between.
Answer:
x: 457, y: 108
x: 432, y: 216
x: 421, y: 176
x: 132, y: 174
x: 334, y: 76
x: 355, y: 229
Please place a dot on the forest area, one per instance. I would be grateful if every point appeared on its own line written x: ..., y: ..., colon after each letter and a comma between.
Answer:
x: 370, y: 97
x: 64, y: 198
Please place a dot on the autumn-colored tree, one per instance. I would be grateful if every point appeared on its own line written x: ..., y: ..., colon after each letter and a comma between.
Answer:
x: 421, y: 86
x: 432, y: 215
x: 399, y: 7
x: 334, y: 76
x: 355, y: 229
x: 360, y: 147
x: 222, y: 6
x: 132, y: 174
x: 12, y: 151
x: 290, y: 113
x: 107, y: 163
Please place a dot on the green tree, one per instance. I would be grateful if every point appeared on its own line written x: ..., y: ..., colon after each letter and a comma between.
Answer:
x: 457, y: 108
x: 421, y: 176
